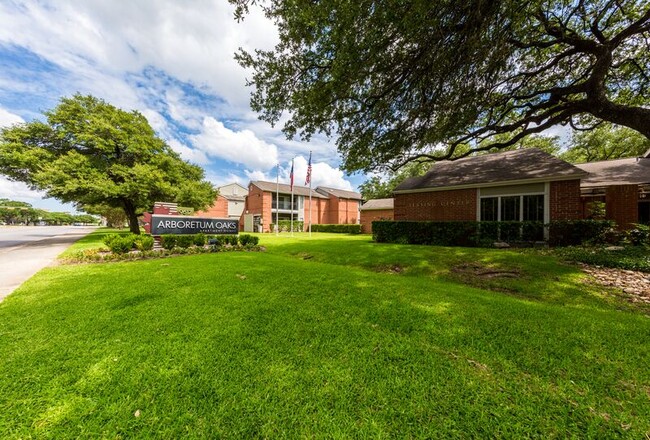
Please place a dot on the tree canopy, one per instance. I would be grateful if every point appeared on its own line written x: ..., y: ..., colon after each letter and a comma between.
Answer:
x: 90, y: 153
x: 606, y: 142
x: 13, y: 212
x: 396, y: 81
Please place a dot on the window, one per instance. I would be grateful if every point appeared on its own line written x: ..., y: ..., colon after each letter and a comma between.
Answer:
x: 489, y: 209
x: 533, y: 208
x: 510, y: 208
x: 528, y: 208
x: 285, y: 202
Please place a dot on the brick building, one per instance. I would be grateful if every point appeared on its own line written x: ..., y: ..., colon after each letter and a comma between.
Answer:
x: 525, y: 184
x: 519, y: 185
x: 263, y: 206
x: 623, y: 185
x: 376, y: 209
x: 229, y: 203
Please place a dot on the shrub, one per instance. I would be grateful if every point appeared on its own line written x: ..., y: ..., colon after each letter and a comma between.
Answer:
x: 221, y: 240
x: 285, y: 226
x: 561, y: 233
x: 199, y: 239
x: 144, y: 242
x: 577, y: 232
x: 110, y: 238
x: 215, y: 240
x: 639, y: 236
x: 184, y: 241
x: 168, y: 241
x: 246, y: 239
x: 337, y: 229
x: 432, y: 233
x: 121, y: 244
x: 596, y: 210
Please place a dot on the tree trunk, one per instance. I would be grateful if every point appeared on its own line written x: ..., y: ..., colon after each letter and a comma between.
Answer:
x: 131, y: 217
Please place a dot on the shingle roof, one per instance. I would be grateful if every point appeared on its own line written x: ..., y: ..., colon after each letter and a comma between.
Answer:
x: 233, y: 198
x: 616, y: 172
x: 376, y: 204
x: 286, y: 189
x: 340, y: 193
x: 515, y: 165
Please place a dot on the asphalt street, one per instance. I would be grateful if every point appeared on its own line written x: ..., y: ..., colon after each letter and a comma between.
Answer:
x: 24, y: 250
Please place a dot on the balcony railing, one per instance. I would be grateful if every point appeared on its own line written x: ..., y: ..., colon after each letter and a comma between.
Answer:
x: 285, y: 205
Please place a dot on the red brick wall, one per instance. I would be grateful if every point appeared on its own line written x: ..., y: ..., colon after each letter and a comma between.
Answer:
x: 331, y: 211
x: 318, y: 211
x: 258, y: 202
x: 219, y: 209
x: 564, y: 200
x: 369, y: 216
x: 348, y: 211
x: 622, y: 205
x: 452, y: 205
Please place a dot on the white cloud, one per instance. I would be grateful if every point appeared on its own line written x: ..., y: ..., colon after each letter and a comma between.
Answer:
x: 241, y: 147
x: 225, y: 179
x: 193, y: 41
x: 562, y: 131
x: 162, y: 57
x: 190, y: 154
x: 17, y: 190
x: 8, y: 118
x: 158, y: 123
x: 261, y: 175
x: 322, y: 174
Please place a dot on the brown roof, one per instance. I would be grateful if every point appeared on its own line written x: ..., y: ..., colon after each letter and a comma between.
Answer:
x: 233, y: 198
x: 516, y: 165
x: 616, y: 172
x: 376, y: 204
x: 286, y: 189
x: 340, y: 193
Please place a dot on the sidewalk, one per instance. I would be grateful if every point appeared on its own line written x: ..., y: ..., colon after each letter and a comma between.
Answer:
x: 19, y: 263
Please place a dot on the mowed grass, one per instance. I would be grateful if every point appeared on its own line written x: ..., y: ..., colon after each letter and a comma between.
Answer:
x: 91, y: 241
x: 325, y: 337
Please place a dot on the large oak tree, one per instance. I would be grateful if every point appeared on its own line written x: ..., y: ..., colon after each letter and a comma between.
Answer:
x: 401, y: 80
x: 90, y: 153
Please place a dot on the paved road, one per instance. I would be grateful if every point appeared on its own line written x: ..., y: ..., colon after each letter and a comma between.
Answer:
x: 24, y: 250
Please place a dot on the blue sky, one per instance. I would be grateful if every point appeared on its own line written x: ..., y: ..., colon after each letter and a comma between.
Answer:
x: 172, y: 61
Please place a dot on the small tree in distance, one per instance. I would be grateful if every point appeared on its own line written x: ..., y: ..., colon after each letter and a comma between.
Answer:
x: 91, y: 153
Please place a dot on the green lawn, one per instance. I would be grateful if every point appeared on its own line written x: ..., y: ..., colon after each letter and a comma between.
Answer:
x: 329, y: 336
x: 91, y: 241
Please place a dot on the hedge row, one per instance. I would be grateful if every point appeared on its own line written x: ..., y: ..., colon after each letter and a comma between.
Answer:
x: 185, y: 241
x: 285, y: 226
x: 470, y: 234
x: 121, y: 244
x: 337, y: 229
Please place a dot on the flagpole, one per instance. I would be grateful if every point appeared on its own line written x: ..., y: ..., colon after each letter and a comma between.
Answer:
x: 277, y: 201
x: 291, y: 198
x: 310, y: 195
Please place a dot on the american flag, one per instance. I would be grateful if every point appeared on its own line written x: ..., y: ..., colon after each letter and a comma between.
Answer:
x: 308, y: 178
x: 291, y: 175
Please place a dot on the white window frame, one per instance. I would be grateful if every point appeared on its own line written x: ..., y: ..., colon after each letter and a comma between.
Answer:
x: 547, y: 204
